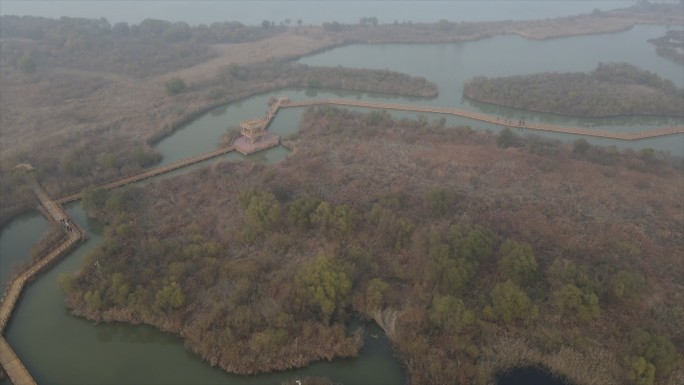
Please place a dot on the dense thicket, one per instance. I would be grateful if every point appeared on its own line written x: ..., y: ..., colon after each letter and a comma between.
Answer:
x: 282, y: 74
x: 612, y: 89
x: 149, y: 48
x: 473, y: 258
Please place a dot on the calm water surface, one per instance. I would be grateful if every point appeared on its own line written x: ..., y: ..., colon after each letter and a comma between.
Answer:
x: 450, y: 65
x: 16, y: 241
x: 60, y: 349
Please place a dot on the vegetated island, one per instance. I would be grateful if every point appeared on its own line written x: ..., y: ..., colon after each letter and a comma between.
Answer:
x: 612, y: 89
x: 474, y: 252
x: 671, y: 46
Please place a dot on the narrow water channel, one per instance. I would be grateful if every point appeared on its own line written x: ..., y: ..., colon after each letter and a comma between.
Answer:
x: 16, y: 241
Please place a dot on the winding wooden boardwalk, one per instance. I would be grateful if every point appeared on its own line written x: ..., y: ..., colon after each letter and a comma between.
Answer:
x: 492, y: 119
x: 15, y: 370
x: 152, y: 173
x: 283, y: 103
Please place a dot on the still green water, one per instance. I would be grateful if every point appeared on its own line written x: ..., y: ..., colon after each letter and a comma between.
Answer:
x: 16, y: 241
x: 58, y: 348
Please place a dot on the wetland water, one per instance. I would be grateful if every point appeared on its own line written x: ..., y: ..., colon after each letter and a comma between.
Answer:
x: 60, y: 349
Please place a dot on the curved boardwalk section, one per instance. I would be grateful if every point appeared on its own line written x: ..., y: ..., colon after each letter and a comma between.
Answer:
x: 493, y: 119
x: 152, y: 172
x: 15, y: 370
x: 10, y: 362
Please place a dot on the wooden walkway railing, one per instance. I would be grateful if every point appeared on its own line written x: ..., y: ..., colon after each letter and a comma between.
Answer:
x: 152, y: 172
x: 492, y: 119
x: 15, y: 370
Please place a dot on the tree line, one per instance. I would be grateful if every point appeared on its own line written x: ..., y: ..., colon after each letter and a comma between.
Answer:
x: 149, y: 48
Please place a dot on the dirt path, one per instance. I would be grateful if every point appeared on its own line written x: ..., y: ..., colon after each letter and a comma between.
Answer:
x: 293, y: 43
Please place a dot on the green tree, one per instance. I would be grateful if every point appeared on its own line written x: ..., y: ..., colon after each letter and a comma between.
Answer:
x: 344, y: 220
x: 627, y: 286
x: 642, y: 372
x: 94, y: 198
x: 655, y: 349
x: 107, y: 161
x: 175, y: 86
x: 300, y: 211
x: 507, y: 138
x: 510, y: 303
x: 440, y: 201
x: 471, y: 242
x: 324, y: 284
x: 26, y: 63
x: 145, y: 158
x: 119, y: 289
x: 390, y: 228
x: 573, y: 301
x: 517, y: 262
x: 450, y: 313
x: 93, y: 300
x: 449, y: 274
x: 269, y: 340
x: 563, y: 271
x: 169, y: 297
x: 580, y: 146
x: 376, y: 292
x: 66, y: 282
x: 262, y: 210
x: 322, y: 216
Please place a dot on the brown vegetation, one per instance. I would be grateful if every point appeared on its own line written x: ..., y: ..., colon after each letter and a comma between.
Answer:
x: 437, y: 232
x: 612, y: 89
x: 226, y: 273
x: 85, y: 81
x: 79, y: 128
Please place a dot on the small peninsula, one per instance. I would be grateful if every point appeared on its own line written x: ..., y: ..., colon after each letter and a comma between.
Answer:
x: 671, y: 45
x: 612, y: 89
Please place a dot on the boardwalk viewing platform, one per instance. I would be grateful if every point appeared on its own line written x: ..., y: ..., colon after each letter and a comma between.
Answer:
x: 493, y: 119
x: 15, y: 370
x: 254, y: 135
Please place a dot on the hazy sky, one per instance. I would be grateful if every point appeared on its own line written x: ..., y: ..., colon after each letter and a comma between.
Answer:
x: 309, y: 11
